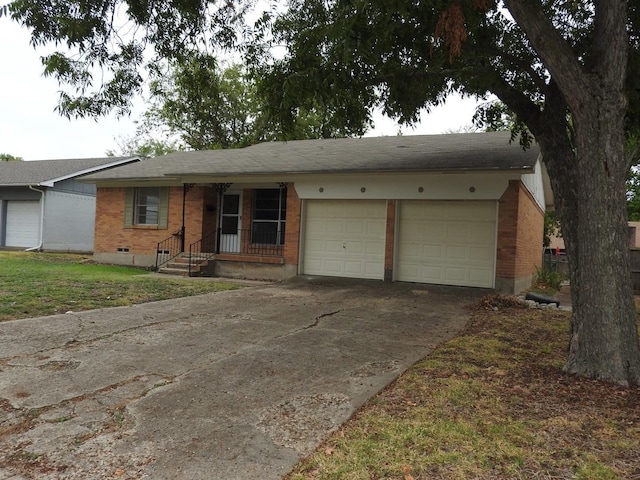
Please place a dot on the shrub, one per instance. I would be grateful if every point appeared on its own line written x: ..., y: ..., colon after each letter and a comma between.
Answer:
x: 548, y: 279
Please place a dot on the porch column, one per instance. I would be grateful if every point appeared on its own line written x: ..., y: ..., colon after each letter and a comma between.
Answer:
x: 279, y: 238
x: 185, y: 189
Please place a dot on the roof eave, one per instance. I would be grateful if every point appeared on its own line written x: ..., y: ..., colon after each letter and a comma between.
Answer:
x: 132, y: 181
x: 87, y: 171
x: 517, y: 169
x: 194, y: 176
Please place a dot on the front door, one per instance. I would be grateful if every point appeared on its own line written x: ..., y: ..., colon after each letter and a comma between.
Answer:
x: 231, y: 222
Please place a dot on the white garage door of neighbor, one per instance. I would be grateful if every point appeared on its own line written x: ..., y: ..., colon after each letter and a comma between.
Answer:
x: 23, y: 224
x: 345, y: 238
x: 447, y: 242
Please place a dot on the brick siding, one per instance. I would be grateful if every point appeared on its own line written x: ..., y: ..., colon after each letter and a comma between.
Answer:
x: 111, y: 234
x: 200, y: 219
x: 520, y: 232
x: 389, y: 244
x: 293, y: 227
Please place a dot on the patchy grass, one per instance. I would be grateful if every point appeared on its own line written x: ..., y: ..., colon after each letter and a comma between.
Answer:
x: 492, y: 403
x: 36, y: 284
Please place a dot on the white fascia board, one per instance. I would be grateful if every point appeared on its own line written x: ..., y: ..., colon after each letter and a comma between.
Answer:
x: 140, y: 182
x: 431, y: 186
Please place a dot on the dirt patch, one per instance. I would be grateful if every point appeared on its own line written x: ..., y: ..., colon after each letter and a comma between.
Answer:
x: 302, y: 422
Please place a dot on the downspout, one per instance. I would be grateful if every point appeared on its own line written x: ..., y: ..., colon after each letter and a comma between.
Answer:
x: 39, y: 247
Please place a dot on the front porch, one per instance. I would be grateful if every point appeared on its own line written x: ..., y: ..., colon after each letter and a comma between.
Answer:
x: 242, y: 231
x: 204, y: 229
x: 242, y: 247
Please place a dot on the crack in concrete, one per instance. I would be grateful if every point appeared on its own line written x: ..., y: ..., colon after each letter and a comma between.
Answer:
x: 104, y: 336
x: 314, y: 324
x: 317, y: 320
x: 74, y: 342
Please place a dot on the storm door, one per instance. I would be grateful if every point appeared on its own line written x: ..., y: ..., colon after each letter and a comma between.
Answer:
x: 231, y: 223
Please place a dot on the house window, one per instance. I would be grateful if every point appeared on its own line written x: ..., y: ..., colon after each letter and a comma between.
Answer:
x: 146, y: 206
x: 269, y: 216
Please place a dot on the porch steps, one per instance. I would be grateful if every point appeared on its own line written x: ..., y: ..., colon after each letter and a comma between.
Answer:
x: 180, y: 266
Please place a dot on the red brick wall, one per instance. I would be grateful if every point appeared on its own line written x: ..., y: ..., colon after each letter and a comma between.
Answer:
x: 110, y: 232
x: 292, y: 228
x: 201, y: 213
x: 389, y: 243
x: 520, y: 232
x: 194, y: 212
x: 247, y: 207
x: 210, y: 211
x: 530, y: 234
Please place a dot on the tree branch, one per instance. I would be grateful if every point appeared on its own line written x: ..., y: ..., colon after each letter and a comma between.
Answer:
x: 553, y: 50
x: 520, y: 104
x: 525, y: 66
x: 610, y: 41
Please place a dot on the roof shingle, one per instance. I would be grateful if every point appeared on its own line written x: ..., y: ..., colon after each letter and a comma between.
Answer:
x: 41, y: 172
x: 416, y: 153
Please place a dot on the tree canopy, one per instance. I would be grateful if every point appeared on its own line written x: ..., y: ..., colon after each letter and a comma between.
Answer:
x: 566, y: 69
x: 6, y: 157
x: 195, y: 105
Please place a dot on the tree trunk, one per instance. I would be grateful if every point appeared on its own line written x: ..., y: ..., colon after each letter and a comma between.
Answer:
x: 591, y: 197
x: 589, y: 182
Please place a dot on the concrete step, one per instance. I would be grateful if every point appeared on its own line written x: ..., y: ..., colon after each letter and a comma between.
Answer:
x: 184, y: 260
x: 180, y: 266
x: 182, y: 272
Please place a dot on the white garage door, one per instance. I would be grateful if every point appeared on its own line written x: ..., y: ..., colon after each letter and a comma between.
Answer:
x: 345, y: 238
x: 23, y: 224
x: 447, y: 242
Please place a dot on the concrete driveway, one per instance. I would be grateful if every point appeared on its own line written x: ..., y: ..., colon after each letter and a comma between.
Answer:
x: 231, y: 385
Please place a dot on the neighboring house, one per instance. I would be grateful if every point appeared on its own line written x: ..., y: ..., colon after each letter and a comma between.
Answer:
x: 462, y: 209
x: 44, y: 207
x: 556, y: 242
x: 634, y: 234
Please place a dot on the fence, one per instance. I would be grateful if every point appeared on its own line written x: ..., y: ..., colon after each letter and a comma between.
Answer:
x: 635, y: 269
x: 558, y: 263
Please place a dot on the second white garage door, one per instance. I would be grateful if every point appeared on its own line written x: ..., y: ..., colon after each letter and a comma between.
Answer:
x: 344, y: 238
x: 447, y: 242
x: 23, y: 224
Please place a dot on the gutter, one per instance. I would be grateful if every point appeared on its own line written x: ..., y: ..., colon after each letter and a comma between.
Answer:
x: 39, y: 247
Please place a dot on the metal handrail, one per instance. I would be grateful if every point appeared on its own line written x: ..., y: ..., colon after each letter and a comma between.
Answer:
x: 252, y: 242
x: 169, y: 248
x: 242, y: 242
x: 202, y: 250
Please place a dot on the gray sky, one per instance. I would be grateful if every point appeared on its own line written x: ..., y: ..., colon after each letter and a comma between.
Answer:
x: 30, y: 128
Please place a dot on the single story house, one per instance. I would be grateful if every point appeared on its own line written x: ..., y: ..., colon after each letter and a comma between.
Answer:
x: 44, y: 207
x: 460, y: 209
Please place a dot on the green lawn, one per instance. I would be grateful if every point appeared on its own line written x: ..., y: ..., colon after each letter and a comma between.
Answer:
x: 36, y: 284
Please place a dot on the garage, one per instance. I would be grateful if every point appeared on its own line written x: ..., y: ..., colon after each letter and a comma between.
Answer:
x: 23, y: 224
x: 344, y: 238
x: 446, y: 242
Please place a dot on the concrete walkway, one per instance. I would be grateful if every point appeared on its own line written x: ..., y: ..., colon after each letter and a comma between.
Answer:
x: 231, y: 385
